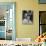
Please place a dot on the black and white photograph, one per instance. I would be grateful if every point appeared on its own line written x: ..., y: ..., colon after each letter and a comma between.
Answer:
x: 27, y: 17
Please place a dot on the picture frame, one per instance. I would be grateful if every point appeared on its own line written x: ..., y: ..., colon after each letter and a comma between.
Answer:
x: 27, y: 17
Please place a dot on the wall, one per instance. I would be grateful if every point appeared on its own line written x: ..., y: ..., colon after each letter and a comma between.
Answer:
x: 28, y: 31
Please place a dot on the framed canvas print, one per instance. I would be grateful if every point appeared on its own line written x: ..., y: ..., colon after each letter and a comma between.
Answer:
x: 42, y: 1
x: 27, y: 17
x: 7, y: 20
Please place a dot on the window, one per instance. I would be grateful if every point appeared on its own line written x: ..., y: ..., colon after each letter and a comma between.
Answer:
x: 42, y: 1
x: 7, y: 21
x: 42, y: 22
